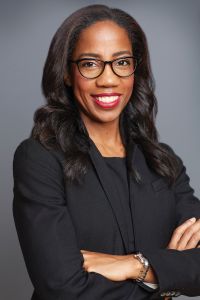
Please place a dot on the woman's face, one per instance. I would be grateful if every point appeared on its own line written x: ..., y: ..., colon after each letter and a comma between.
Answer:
x: 101, y: 99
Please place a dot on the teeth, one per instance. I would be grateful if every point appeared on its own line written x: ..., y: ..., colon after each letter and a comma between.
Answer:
x: 107, y: 99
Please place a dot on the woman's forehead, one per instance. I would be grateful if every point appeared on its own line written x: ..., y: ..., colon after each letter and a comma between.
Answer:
x: 101, y: 38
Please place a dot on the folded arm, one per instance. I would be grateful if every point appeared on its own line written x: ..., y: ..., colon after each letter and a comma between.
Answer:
x: 176, y: 270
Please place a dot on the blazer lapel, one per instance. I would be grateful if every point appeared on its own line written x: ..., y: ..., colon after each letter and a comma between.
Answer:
x: 110, y: 191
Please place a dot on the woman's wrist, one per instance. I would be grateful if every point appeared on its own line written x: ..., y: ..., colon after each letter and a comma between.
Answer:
x: 134, y: 268
x: 145, y: 266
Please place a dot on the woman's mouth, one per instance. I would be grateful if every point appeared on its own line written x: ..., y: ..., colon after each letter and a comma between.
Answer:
x: 107, y: 101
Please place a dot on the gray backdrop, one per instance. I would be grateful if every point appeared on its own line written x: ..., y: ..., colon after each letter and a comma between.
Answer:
x: 26, y: 28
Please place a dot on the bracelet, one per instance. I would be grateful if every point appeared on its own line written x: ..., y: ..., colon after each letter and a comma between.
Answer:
x: 145, y: 266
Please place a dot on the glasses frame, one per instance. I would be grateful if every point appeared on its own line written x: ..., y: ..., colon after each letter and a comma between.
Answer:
x: 105, y: 62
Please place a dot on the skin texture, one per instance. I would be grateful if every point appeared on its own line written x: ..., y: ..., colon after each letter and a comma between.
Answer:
x: 103, y: 128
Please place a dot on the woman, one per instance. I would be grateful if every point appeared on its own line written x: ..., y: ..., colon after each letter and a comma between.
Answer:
x: 102, y: 209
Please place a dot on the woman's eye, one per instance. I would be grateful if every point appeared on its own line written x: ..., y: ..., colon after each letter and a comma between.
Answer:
x: 88, y: 64
x: 123, y: 62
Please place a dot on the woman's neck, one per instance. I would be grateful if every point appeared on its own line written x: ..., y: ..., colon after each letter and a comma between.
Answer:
x: 106, y: 137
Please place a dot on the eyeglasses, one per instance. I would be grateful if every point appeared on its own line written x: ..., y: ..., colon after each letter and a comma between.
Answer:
x: 92, y: 68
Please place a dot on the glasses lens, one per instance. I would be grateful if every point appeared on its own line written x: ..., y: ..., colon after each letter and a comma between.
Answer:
x: 90, y: 68
x: 124, y: 66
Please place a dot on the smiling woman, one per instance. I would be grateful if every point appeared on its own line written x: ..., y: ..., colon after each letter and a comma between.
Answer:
x: 105, y: 89
x: 102, y: 208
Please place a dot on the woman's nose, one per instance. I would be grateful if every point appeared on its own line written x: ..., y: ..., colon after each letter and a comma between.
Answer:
x: 108, y: 77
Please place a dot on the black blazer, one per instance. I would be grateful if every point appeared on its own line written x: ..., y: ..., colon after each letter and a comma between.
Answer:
x: 55, y: 220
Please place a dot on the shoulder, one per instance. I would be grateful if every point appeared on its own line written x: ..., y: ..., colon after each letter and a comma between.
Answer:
x: 167, y: 147
x: 162, y: 146
x: 180, y: 167
x: 32, y: 151
x: 171, y: 152
x: 37, y: 172
x: 30, y: 146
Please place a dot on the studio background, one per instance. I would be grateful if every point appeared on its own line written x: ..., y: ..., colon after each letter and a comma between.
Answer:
x: 26, y: 28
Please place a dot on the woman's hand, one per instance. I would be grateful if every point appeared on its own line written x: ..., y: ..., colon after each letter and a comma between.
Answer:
x: 113, y: 267
x: 186, y: 236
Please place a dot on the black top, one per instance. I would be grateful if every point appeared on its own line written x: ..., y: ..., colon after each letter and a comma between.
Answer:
x: 118, y: 172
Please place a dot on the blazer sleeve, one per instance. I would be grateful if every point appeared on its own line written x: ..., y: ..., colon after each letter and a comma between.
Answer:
x: 46, y: 232
x: 178, y: 271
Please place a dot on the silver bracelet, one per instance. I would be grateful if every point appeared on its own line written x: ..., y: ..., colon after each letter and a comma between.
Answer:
x: 145, y: 267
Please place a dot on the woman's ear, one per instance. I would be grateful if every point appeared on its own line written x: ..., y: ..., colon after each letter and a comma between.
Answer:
x: 67, y: 80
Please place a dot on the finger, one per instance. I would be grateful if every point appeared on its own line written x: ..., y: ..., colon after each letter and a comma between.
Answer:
x: 178, y: 232
x: 194, y: 241
x: 190, y: 238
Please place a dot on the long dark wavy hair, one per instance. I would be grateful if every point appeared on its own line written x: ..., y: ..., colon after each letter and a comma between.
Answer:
x: 58, y: 124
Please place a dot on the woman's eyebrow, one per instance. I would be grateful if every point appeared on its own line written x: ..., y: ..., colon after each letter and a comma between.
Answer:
x: 98, y: 56
x: 121, y: 52
x: 89, y: 54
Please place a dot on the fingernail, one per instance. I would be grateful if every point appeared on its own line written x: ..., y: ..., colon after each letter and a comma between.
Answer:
x: 193, y: 219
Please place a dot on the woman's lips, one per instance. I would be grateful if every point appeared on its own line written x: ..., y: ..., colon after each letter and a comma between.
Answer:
x: 107, y: 100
